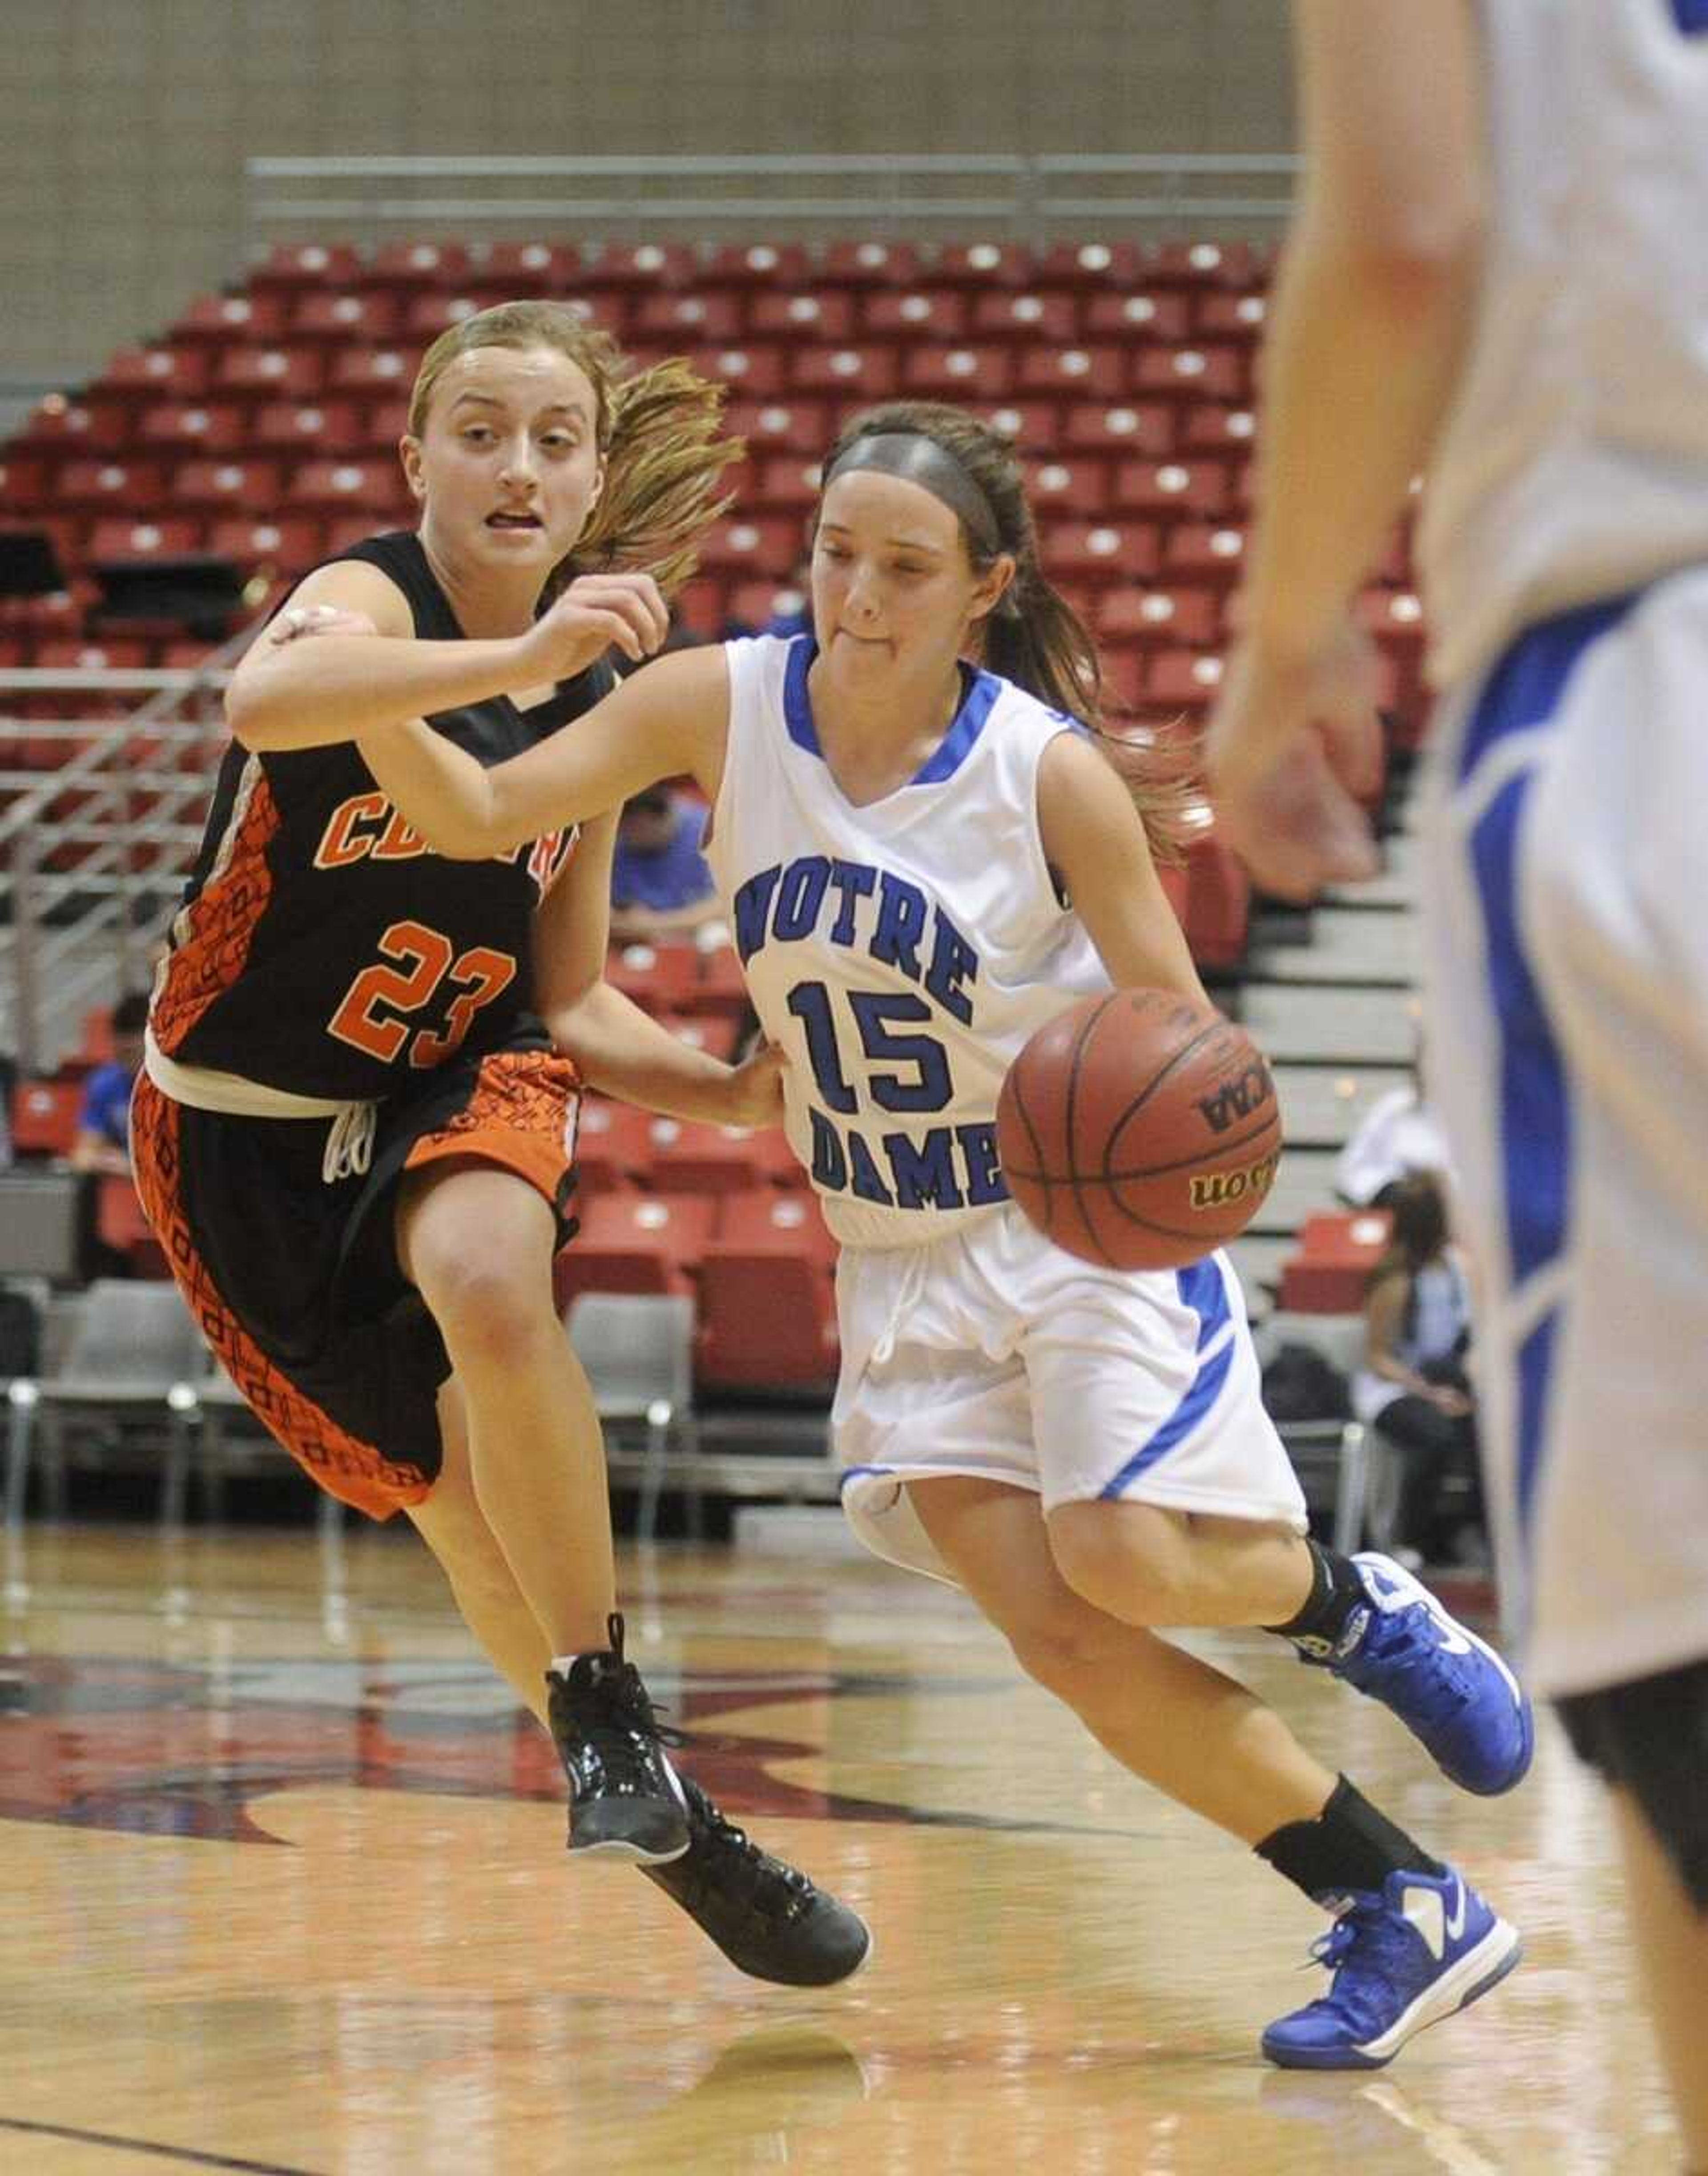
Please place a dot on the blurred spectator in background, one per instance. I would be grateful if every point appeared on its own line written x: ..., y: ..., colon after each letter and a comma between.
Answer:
x: 660, y: 883
x: 103, y: 1125
x: 1398, y: 1134
x: 1413, y: 1383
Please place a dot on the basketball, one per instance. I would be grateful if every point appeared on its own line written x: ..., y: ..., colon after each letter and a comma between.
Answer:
x: 1138, y: 1129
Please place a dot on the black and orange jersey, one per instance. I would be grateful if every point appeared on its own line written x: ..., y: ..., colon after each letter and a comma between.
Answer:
x: 321, y: 946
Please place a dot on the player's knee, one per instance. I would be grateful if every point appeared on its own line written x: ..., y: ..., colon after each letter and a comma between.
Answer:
x: 493, y: 1312
x: 1127, y: 1572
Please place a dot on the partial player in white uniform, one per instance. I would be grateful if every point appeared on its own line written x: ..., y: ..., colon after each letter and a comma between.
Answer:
x: 899, y: 834
x: 1499, y: 271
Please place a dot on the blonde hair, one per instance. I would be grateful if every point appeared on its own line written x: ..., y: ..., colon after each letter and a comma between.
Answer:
x: 1034, y: 637
x: 656, y: 431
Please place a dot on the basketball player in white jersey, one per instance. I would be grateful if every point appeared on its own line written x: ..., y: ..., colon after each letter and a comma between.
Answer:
x: 1497, y: 271
x: 924, y: 861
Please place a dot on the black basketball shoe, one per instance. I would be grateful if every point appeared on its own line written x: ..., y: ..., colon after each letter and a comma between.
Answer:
x: 768, y: 1919
x: 626, y: 1800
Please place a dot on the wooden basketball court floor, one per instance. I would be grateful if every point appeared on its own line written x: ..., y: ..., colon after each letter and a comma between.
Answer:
x: 284, y: 1891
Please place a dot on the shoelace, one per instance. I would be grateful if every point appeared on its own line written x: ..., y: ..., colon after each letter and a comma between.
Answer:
x: 1408, y: 1641
x: 765, y: 1869
x: 1360, y: 1950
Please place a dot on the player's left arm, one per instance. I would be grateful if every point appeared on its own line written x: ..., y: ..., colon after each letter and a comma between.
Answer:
x: 1365, y: 338
x: 617, y: 1048
x: 1094, y: 840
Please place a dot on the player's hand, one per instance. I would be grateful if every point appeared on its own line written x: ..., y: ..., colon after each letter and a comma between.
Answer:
x: 1294, y: 747
x: 298, y: 620
x: 755, y: 1090
x: 596, y: 613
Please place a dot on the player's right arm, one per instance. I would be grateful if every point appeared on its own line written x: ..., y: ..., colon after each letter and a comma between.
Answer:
x: 670, y: 720
x: 303, y: 694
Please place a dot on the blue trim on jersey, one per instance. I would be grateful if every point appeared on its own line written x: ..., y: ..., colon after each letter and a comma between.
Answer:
x: 1524, y: 687
x: 1691, y: 16
x: 978, y: 698
x: 1535, y: 1109
x: 1206, y: 1388
x: 1204, y: 1289
x: 1535, y: 1375
x: 1523, y: 694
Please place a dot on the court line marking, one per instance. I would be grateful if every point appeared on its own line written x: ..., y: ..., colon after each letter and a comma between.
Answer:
x: 186, y: 2154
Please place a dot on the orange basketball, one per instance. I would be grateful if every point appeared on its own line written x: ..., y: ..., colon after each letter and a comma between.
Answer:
x: 1139, y: 1129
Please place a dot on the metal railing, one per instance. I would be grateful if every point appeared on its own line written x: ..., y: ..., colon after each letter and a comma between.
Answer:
x: 1030, y: 197
x: 95, y: 847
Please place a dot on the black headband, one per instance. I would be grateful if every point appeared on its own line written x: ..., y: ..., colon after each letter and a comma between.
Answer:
x: 917, y: 458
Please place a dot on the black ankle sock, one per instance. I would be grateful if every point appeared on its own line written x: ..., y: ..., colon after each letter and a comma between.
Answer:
x: 1336, y: 1591
x: 1350, y: 1844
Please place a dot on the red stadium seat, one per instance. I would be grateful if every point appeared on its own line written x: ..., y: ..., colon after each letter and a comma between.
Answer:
x: 293, y: 545
x: 936, y: 313
x: 871, y: 264
x: 795, y: 426
x: 752, y: 367
x: 956, y: 373
x: 760, y: 264
x: 1085, y: 373
x: 771, y: 545
x: 227, y: 486
x: 432, y: 311
x: 853, y: 374
x: 418, y: 265
x: 684, y: 319
x: 984, y: 264
x: 157, y: 374
x: 44, y: 1117
x: 767, y: 1306
x: 1183, y: 680
x: 1030, y: 426
x: 126, y: 539
x: 1205, y: 552
x: 1194, y: 373
x: 317, y: 315
x: 1218, y: 316
x: 804, y: 317
x: 532, y: 268
x: 1160, y: 618
x: 1163, y: 317
x: 783, y: 482
x: 1171, y: 491
x: 309, y: 429
x: 1099, y: 551
x: 1091, y: 265
x: 271, y: 374
x: 299, y: 264
x: 109, y: 487
x: 384, y: 372
x: 641, y: 265
x: 1330, y: 1268
x: 613, y: 1146
x: 1218, y: 906
x: 1210, y: 427
x: 333, y: 487
x: 635, y: 1243
x: 657, y: 977
x: 687, y: 1157
x: 183, y: 427
x: 231, y: 320
x: 1097, y: 427
x: 1057, y: 487
x: 1029, y: 316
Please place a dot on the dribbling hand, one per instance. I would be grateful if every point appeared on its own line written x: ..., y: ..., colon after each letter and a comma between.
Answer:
x: 596, y: 613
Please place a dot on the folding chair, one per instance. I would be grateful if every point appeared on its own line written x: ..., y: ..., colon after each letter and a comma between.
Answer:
x: 638, y: 1351
x: 133, y: 1355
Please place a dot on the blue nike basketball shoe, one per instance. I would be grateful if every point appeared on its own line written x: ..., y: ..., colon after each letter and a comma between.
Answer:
x: 1404, y: 1957
x: 1448, y: 1688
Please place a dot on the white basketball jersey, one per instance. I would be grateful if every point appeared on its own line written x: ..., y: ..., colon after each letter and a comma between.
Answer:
x: 900, y: 953
x: 1575, y: 464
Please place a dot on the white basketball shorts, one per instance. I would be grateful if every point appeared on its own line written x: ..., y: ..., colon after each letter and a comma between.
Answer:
x: 991, y: 1353
x: 1567, y: 858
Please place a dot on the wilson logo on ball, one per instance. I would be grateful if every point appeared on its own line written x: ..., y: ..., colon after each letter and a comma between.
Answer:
x: 1215, y: 1189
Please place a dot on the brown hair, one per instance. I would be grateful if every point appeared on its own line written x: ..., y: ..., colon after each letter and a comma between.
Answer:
x: 656, y: 431
x: 1034, y: 637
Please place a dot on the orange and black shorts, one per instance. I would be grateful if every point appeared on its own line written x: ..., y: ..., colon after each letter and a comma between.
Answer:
x: 295, y: 1283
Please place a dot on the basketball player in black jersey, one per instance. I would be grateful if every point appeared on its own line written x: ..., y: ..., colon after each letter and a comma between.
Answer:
x: 354, y: 1134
